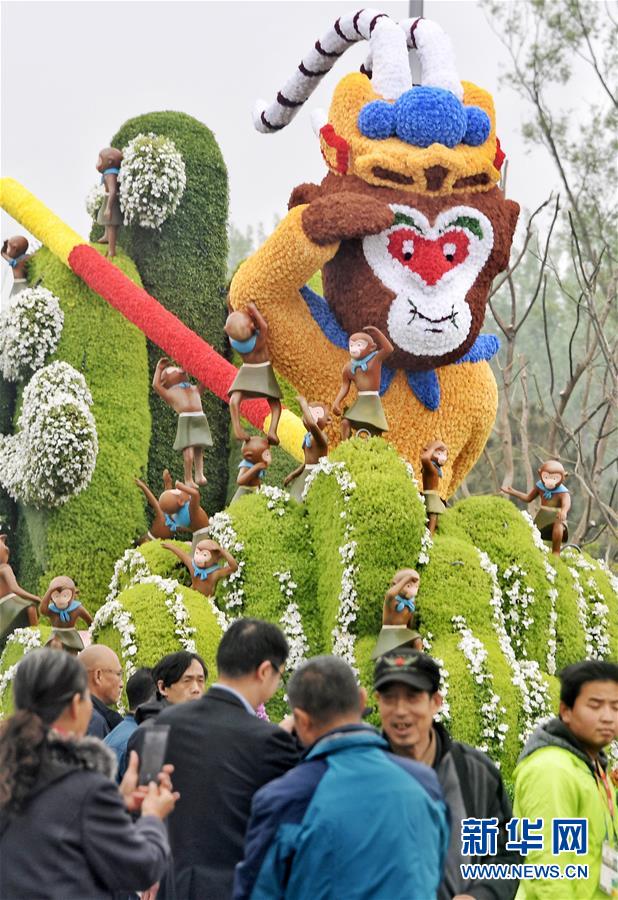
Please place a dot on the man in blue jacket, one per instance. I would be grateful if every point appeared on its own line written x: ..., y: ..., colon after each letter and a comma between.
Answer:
x: 351, y: 820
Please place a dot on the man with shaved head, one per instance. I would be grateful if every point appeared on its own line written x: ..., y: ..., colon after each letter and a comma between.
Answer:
x: 105, y: 685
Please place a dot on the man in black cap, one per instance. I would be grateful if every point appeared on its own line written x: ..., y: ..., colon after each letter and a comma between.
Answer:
x: 407, y: 686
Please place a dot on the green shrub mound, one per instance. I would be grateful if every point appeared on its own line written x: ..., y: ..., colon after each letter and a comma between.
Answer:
x: 320, y: 571
x: 183, y: 265
x: 156, y: 631
x: 84, y: 537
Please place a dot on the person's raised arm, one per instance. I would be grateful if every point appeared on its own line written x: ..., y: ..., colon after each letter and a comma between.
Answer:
x: 246, y: 475
x: 156, y: 378
x: 260, y: 321
x: 182, y: 555
x: 85, y: 615
x: 527, y: 498
x: 293, y: 475
x: 385, y: 348
x: 11, y: 582
x: 150, y: 497
x: 397, y: 588
x: 232, y: 565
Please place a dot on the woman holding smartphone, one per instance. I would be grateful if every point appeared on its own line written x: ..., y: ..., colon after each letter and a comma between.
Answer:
x: 65, y: 828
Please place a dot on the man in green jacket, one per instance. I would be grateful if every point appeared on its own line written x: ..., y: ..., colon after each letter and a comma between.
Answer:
x: 562, y: 774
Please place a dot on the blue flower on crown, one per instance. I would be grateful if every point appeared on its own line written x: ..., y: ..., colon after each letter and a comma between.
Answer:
x: 425, y: 116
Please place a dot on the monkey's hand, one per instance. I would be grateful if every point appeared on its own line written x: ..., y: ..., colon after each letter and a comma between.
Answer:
x: 337, y: 410
x: 344, y: 216
x: 507, y: 490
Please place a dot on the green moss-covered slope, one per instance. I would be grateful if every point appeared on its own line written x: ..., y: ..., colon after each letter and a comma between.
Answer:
x: 184, y: 266
x: 84, y: 537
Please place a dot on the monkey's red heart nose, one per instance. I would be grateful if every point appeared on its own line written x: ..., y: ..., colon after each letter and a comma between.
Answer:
x: 430, y: 259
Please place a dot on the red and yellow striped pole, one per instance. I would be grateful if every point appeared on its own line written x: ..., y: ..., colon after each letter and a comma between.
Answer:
x: 161, y: 326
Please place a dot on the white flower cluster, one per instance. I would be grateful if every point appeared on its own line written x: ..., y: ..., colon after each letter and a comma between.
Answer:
x: 426, y: 540
x: 222, y: 531
x: 536, y: 534
x: 277, y: 498
x: 29, y: 640
x: 94, y: 199
x: 53, y: 455
x: 527, y: 676
x: 593, y: 614
x: 291, y: 621
x: 444, y: 713
x: 613, y: 580
x: 492, y: 712
x: 343, y: 638
x: 152, y: 180
x: 517, y: 611
x: 113, y: 611
x: 29, y: 332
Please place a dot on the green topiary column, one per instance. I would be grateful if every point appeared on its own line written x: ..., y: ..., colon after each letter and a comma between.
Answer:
x: 184, y: 266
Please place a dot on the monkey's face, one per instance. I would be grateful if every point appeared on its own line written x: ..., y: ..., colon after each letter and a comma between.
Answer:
x: 15, y: 246
x: 321, y: 415
x: 206, y: 554
x: 424, y: 281
x: 411, y: 589
x: 257, y: 449
x: 61, y: 598
x: 358, y: 347
x: 440, y: 456
x: 551, y: 480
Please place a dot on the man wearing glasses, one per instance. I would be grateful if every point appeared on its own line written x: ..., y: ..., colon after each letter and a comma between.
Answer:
x: 105, y: 686
x: 222, y: 753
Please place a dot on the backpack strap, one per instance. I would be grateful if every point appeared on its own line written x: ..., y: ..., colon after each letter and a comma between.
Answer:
x: 463, y: 776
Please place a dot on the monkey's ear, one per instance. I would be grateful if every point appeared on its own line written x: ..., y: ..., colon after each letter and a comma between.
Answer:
x: 303, y: 194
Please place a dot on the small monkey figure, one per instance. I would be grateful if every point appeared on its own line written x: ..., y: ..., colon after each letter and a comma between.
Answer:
x: 63, y: 609
x: 13, y: 598
x: 204, y: 565
x: 398, y: 614
x: 368, y: 350
x: 15, y: 252
x: 316, y: 417
x: 248, y: 334
x: 182, y: 511
x: 433, y: 457
x: 551, y: 519
x: 193, y: 433
x: 110, y: 215
x: 256, y: 459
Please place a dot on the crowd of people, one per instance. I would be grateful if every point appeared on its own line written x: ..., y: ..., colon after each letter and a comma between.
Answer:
x: 321, y: 805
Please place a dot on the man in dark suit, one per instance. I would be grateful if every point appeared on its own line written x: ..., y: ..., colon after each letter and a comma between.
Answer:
x: 222, y: 753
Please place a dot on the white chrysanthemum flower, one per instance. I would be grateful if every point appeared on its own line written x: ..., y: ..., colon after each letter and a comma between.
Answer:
x: 29, y: 332
x: 152, y: 180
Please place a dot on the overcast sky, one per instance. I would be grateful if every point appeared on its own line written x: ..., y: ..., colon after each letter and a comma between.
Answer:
x: 73, y: 72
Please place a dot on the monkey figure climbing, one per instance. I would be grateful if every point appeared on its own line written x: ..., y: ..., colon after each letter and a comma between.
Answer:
x: 408, y: 228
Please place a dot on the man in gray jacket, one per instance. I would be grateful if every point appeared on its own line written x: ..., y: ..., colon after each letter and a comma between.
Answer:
x: 407, y: 687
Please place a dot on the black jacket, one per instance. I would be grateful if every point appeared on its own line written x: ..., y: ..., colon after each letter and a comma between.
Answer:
x: 103, y: 719
x: 472, y: 787
x: 74, y: 839
x: 222, y: 755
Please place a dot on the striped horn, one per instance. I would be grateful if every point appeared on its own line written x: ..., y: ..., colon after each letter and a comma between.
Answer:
x: 435, y: 53
x: 366, y: 24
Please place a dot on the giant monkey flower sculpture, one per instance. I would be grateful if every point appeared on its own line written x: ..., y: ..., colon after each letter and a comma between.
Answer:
x: 409, y: 229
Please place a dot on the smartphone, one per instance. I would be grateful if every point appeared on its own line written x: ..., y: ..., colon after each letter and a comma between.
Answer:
x: 154, y: 748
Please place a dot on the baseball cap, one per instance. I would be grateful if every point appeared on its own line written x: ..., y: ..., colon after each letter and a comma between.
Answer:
x: 409, y: 667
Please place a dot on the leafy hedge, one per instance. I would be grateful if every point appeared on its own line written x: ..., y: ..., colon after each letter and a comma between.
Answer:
x: 84, y: 538
x: 184, y: 266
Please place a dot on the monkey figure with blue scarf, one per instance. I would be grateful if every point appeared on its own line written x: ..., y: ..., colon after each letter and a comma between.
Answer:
x: 316, y: 417
x: 551, y: 519
x: 15, y: 252
x: 248, y: 334
x: 182, y: 511
x: 398, y: 614
x: 208, y: 564
x: 433, y: 457
x: 63, y: 609
x: 256, y: 458
x: 110, y: 214
x: 368, y: 350
x: 172, y: 384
